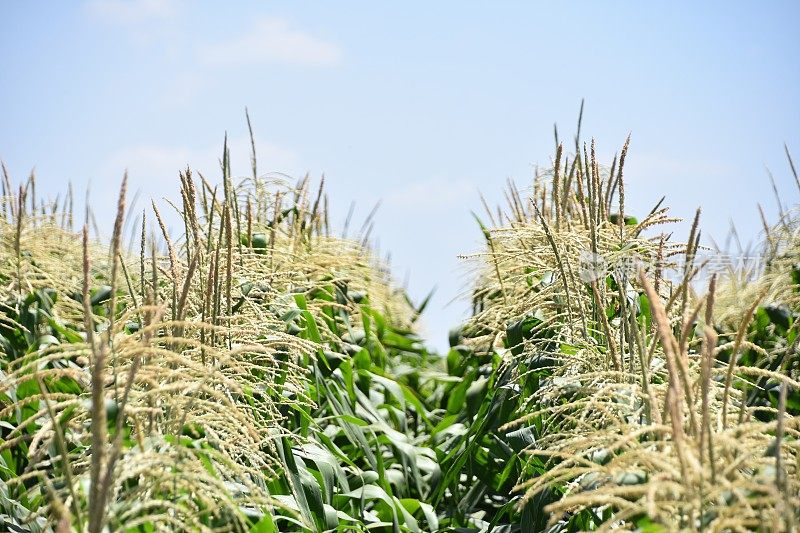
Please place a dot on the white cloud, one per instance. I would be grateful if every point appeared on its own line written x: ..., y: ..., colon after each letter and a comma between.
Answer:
x: 273, y: 40
x: 132, y: 11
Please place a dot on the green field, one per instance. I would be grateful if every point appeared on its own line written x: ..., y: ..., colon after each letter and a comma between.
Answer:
x: 262, y: 373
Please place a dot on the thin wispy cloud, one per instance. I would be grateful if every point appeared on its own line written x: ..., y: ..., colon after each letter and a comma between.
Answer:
x: 153, y: 171
x: 674, y: 166
x: 432, y: 194
x: 273, y: 40
x: 146, y: 23
x: 154, y: 165
x: 132, y: 11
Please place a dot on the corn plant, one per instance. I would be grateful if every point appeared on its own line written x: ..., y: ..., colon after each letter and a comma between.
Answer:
x: 262, y: 372
x: 634, y: 406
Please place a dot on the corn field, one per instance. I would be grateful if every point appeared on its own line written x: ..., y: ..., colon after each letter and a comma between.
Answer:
x: 263, y: 373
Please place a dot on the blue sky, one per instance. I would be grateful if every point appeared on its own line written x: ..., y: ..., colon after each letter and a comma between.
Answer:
x: 418, y: 104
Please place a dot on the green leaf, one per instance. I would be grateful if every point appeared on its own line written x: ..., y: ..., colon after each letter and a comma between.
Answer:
x: 265, y: 525
x: 520, y: 330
